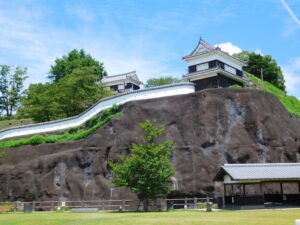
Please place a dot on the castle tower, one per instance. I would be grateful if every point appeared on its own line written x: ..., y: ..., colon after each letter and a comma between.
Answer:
x: 210, y: 67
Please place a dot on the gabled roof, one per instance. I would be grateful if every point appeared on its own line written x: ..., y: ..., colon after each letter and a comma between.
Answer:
x: 203, y: 48
x: 124, y: 76
x: 259, y: 171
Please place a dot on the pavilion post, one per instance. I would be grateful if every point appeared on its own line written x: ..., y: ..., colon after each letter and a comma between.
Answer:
x: 260, y: 187
x: 281, y: 188
x: 244, y: 192
x: 224, y: 194
x: 232, y: 189
x: 299, y: 193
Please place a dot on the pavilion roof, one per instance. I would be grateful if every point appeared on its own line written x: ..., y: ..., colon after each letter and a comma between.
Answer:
x: 259, y: 171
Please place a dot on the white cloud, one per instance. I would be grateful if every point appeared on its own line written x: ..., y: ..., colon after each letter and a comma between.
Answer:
x: 30, y: 39
x: 291, y: 73
x: 229, y: 47
x: 258, y: 51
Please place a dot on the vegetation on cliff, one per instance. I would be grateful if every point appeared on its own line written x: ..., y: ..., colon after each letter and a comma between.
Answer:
x: 256, y: 63
x: 291, y: 103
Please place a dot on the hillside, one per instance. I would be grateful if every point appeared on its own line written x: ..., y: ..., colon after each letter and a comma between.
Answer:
x: 291, y: 103
x: 209, y: 128
x: 14, y: 122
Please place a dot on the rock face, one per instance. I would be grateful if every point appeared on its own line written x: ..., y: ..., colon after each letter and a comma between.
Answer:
x: 209, y: 128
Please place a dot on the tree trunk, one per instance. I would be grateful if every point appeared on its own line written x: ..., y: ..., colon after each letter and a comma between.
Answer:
x: 145, y: 205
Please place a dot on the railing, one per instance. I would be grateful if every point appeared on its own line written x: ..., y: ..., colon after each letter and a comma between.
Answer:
x: 104, y: 205
x: 186, y: 203
x: 213, y: 69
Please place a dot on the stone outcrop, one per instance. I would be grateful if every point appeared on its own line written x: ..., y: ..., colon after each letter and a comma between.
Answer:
x: 208, y: 128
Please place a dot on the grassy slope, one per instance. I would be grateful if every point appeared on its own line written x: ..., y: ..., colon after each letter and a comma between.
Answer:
x: 12, y: 123
x: 291, y: 103
x: 255, y: 217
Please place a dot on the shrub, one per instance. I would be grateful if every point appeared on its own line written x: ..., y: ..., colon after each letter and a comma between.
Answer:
x: 111, y: 111
x: 235, y: 86
x: 52, y: 139
x: 73, y: 130
x: 92, y: 122
x: 37, y: 139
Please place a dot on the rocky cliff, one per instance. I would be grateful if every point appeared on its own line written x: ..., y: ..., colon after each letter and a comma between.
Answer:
x: 209, y: 128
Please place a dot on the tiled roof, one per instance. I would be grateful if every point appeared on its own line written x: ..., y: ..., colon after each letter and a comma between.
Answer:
x: 198, y: 51
x: 261, y: 171
x: 123, y: 76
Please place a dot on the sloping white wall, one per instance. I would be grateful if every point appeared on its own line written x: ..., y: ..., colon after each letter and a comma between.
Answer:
x: 157, y: 92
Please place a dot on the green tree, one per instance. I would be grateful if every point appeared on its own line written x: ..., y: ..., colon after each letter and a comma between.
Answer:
x: 39, y: 103
x: 11, y: 88
x: 154, y: 82
x: 75, y: 60
x: 69, y: 96
x: 271, y: 71
x: 78, y: 91
x: 75, y: 87
x: 148, y: 170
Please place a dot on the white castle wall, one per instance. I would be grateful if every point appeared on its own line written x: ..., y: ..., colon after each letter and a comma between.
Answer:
x: 157, y: 92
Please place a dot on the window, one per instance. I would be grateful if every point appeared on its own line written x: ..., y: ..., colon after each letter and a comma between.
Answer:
x: 192, y: 69
x: 212, y: 64
x: 239, y: 73
x: 230, y: 69
x: 203, y: 66
x: 221, y: 65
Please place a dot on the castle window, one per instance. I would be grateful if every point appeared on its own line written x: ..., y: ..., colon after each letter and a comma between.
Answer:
x: 203, y: 66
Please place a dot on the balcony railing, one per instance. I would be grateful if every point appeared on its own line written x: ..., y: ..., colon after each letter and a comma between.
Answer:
x: 213, y: 69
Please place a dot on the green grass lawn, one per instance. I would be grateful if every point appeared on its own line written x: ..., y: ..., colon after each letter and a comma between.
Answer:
x: 255, y: 217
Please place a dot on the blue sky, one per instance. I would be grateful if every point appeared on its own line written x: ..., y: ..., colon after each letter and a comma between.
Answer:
x: 148, y: 36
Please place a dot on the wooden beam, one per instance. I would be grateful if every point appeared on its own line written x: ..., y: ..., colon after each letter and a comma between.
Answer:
x: 244, y: 190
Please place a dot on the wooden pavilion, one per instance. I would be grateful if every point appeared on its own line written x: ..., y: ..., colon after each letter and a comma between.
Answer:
x: 260, y: 185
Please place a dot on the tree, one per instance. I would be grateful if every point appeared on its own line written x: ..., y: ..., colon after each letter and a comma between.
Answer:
x: 39, y: 103
x: 75, y: 60
x: 271, y: 71
x: 69, y: 96
x: 11, y: 88
x: 78, y: 91
x: 75, y: 88
x: 148, y: 170
x: 153, y: 82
